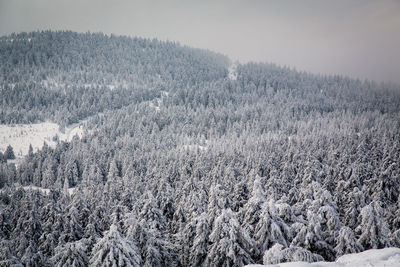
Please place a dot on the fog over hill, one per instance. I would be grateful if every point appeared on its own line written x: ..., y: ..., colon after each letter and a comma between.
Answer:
x: 358, y: 38
x: 187, y: 159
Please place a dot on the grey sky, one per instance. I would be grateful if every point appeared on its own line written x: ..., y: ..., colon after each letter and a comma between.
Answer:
x: 360, y: 38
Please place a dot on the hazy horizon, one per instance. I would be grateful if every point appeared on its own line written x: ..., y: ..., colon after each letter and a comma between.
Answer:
x: 355, y: 38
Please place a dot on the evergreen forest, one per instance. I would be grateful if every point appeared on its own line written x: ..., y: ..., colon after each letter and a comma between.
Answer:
x: 189, y: 159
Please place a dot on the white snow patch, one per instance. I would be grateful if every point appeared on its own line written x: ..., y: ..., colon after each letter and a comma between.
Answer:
x: 88, y: 85
x: 232, y: 72
x: 194, y: 147
x: 16, y: 40
x: 155, y: 105
x: 71, y: 131
x: 194, y: 144
x: 20, y: 136
x: 71, y: 191
x: 157, y: 102
x: 42, y: 190
x: 15, y: 161
x: 45, y: 191
x: 373, y: 258
x: 53, y: 83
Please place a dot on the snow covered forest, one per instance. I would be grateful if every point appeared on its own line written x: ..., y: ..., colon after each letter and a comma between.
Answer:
x: 184, y: 163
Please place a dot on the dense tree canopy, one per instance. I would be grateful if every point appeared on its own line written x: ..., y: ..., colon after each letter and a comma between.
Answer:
x: 182, y: 165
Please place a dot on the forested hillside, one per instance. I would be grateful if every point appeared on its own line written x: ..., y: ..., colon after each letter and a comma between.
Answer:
x: 66, y: 76
x: 184, y: 166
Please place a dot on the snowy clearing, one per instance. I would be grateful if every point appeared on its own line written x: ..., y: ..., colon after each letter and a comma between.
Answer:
x: 194, y: 147
x: 232, y: 73
x: 20, y: 136
x: 157, y: 102
x: 45, y: 191
x: 373, y: 257
x: 42, y: 190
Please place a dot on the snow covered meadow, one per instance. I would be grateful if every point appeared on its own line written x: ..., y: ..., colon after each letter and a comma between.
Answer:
x: 20, y: 136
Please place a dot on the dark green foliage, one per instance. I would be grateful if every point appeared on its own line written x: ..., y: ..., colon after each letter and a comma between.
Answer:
x: 9, y: 153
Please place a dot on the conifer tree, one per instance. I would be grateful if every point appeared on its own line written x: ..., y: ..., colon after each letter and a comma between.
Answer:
x: 372, y: 231
x: 70, y: 254
x: 199, y: 248
x: 9, y: 153
x: 230, y: 245
x: 346, y: 242
x: 7, y: 257
x: 115, y: 250
x: 270, y: 229
x: 218, y: 201
x: 253, y: 208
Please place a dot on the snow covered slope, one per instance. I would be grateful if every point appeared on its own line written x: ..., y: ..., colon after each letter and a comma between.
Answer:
x: 20, y: 136
x: 389, y: 257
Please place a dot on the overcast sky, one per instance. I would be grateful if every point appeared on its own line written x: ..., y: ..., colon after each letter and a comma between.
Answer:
x: 359, y: 38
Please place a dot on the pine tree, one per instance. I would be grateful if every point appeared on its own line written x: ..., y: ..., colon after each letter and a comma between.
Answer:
x: 157, y: 251
x: 115, y: 250
x: 151, y: 213
x: 270, y: 229
x: 385, y: 187
x: 71, y: 173
x: 218, y: 201
x: 7, y: 257
x: 395, y: 238
x: 199, y: 249
x: 9, y: 153
x: 31, y: 255
x: 70, y: 254
x: 310, y: 237
x: 240, y: 196
x: 253, y: 208
x: 52, y: 225
x: 154, y: 249
x: 28, y: 229
x: 346, y: 242
x: 373, y: 231
x: 73, y: 227
x: 353, y: 209
x: 91, y: 236
x: 5, y: 225
x: 230, y: 244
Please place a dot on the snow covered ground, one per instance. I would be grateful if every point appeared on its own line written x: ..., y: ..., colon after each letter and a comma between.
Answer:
x: 388, y: 257
x: 232, y: 72
x: 20, y: 136
x: 42, y: 190
x: 157, y: 102
x: 194, y: 147
x: 45, y: 191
